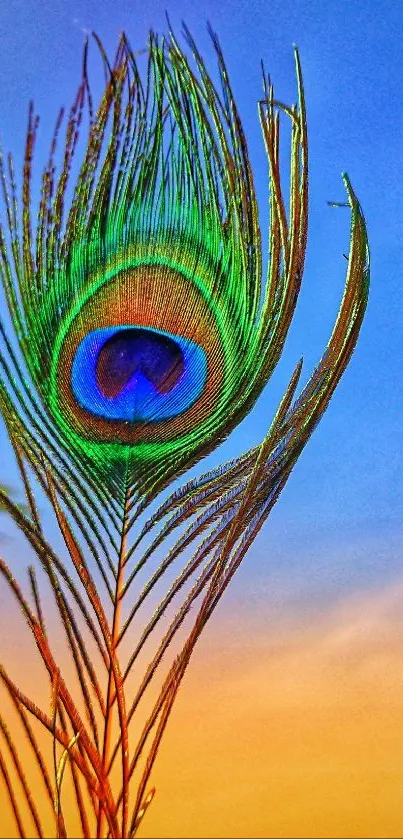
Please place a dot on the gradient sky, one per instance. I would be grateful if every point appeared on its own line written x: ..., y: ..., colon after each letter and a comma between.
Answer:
x: 335, y: 536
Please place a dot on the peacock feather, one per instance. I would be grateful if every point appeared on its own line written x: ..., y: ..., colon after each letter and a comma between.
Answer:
x: 137, y: 333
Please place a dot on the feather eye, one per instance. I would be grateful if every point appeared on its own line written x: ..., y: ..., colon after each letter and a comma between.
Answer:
x: 134, y: 368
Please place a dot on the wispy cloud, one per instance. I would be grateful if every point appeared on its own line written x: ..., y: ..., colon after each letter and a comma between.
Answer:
x: 77, y: 23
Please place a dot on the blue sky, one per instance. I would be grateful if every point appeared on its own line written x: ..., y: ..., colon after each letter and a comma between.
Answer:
x: 338, y: 524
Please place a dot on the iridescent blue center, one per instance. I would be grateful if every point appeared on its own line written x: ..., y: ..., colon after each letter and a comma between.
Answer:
x: 133, y: 373
x: 134, y: 351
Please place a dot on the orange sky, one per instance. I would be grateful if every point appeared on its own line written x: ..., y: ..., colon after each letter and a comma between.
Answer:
x: 290, y: 736
x: 293, y: 733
